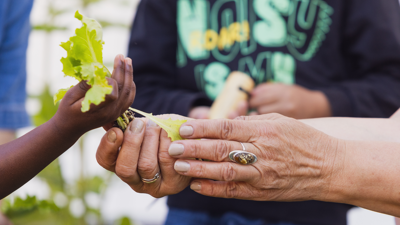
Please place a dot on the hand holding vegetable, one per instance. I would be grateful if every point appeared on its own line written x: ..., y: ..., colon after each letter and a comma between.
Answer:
x: 98, y: 99
x: 289, y: 100
x: 69, y: 117
x: 143, y: 154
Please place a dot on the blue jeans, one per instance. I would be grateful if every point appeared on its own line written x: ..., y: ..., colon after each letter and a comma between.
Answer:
x: 14, y: 32
x: 188, y: 217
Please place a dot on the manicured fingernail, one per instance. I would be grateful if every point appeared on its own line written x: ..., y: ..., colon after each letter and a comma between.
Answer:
x: 137, y: 126
x: 176, y: 149
x: 195, y: 186
x: 186, y: 131
x: 150, y: 123
x: 181, y: 166
x: 112, y: 136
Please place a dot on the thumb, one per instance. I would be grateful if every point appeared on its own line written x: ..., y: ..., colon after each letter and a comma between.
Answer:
x: 107, y: 152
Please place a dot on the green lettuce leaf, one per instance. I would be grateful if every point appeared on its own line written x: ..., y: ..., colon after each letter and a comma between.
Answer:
x: 84, y: 61
x: 60, y: 95
x: 170, y: 126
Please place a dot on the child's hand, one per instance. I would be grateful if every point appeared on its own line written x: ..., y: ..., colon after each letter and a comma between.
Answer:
x: 69, y: 117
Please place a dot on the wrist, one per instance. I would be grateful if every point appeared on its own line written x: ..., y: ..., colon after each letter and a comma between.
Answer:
x: 64, y: 128
x: 334, y: 183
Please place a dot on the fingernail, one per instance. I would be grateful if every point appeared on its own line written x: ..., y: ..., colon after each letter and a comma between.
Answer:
x: 195, y: 186
x: 181, y: 166
x: 151, y: 123
x: 112, y: 136
x: 176, y: 149
x: 186, y: 131
x: 122, y: 60
x: 137, y: 126
x: 128, y: 64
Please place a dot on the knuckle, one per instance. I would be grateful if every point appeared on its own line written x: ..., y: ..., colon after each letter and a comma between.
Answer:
x: 146, y: 167
x: 199, y: 171
x: 106, y: 165
x: 221, y: 152
x: 227, y: 129
x: 231, y: 190
x: 120, y: 86
x: 124, y: 172
x: 83, y: 85
x: 195, y: 150
x: 242, y: 118
x: 228, y: 172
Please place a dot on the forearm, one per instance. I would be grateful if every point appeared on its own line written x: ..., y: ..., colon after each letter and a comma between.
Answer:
x: 358, y: 129
x: 25, y: 157
x: 368, y: 176
x: 396, y: 115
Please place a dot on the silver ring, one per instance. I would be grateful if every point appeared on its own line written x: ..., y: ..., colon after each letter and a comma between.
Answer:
x: 242, y: 157
x: 244, y: 148
x: 152, y: 180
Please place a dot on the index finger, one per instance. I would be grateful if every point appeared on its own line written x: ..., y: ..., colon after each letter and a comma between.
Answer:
x: 234, y: 130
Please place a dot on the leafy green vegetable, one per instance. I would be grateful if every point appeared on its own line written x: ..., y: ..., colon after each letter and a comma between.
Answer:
x: 169, y: 125
x: 84, y: 61
x: 25, y: 206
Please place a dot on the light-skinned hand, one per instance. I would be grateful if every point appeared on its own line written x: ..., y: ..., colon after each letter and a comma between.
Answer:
x: 289, y: 100
x: 294, y: 163
x: 202, y: 112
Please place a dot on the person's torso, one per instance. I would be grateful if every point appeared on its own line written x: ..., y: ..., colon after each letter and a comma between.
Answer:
x: 287, y: 41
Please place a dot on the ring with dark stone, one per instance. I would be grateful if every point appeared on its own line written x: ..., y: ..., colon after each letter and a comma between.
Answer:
x: 242, y: 157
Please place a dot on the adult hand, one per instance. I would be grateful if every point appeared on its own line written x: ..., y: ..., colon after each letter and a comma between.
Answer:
x: 202, y: 112
x: 295, y: 161
x: 289, y: 100
x: 143, y: 154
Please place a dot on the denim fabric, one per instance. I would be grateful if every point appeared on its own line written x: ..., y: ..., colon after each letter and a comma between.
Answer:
x: 14, y: 32
x: 187, y: 217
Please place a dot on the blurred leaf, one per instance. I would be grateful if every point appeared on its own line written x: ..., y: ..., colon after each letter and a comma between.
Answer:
x: 106, y: 24
x: 92, y: 184
x: 48, y: 108
x: 52, y: 175
x: 48, y: 27
x: 86, y: 3
x: 124, y: 221
x: 21, y: 207
x: 56, y: 12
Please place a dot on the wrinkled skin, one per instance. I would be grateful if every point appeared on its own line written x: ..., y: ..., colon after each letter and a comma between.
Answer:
x: 295, y: 162
x: 286, y: 163
x: 144, y: 152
